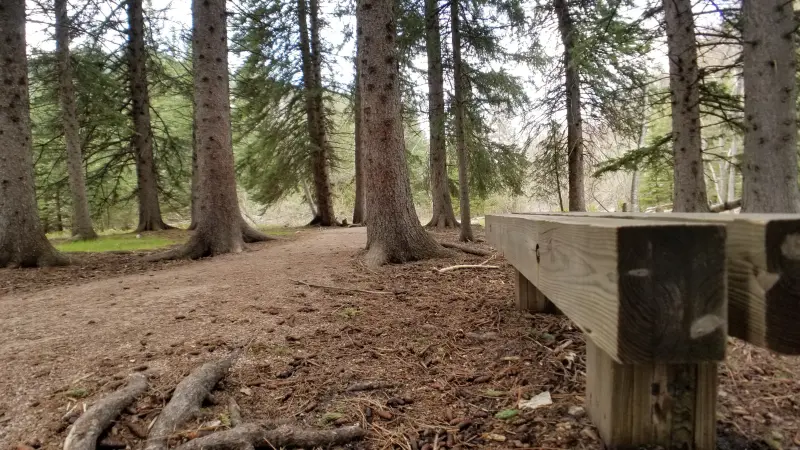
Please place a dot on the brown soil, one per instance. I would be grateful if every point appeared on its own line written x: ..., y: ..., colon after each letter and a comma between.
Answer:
x: 452, y: 345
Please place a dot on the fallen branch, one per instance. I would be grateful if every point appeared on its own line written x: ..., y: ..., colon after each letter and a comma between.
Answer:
x: 336, y: 288
x: 466, y: 266
x: 369, y: 386
x: 84, y: 433
x: 466, y: 249
x: 726, y: 206
x: 250, y: 435
x: 186, y: 400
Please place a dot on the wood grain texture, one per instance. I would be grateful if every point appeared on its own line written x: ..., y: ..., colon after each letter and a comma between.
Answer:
x: 531, y: 299
x: 644, y: 291
x: 670, y: 405
x: 763, y: 260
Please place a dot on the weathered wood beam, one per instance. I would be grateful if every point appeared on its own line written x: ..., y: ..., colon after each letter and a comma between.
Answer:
x: 763, y: 253
x: 669, y: 405
x: 531, y: 299
x: 643, y: 291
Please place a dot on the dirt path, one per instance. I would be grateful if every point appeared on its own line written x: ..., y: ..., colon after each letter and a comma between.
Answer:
x: 452, y: 346
x: 53, y: 340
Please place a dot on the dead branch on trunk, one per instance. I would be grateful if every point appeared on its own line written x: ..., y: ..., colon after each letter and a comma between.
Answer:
x: 86, y: 430
x: 336, y: 288
x: 466, y: 266
x: 726, y: 206
x: 186, y: 400
x: 250, y: 434
x: 466, y: 249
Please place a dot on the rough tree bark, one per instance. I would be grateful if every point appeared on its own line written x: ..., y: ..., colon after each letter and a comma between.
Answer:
x: 22, y: 240
x: 81, y: 218
x: 731, y: 185
x: 459, y: 107
x: 142, y: 139
x: 394, y: 233
x: 770, y: 140
x: 220, y: 226
x: 443, y: 215
x: 195, y: 176
x: 358, y: 209
x: 59, y: 218
x: 577, y: 201
x: 689, y: 179
x: 91, y: 424
x: 310, y: 51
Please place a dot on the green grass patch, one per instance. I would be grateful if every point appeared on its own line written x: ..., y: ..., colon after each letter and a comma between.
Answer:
x: 124, y: 242
x: 116, y: 240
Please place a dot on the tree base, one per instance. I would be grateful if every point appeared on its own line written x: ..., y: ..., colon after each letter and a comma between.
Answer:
x: 210, y: 243
x: 403, y: 249
x: 442, y: 221
x: 46, y: 258
x: 319, y: 221
x: 89, y: 235
x: 153, y: 225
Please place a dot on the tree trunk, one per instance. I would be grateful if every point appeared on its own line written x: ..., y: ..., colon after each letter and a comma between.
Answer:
x: 770, y: 140
x: 22, y: 240
x: 689, y: 178
x: 220, y: 226
x: 642, y: 139
x: 322, y: 175
x: 312, y: 81
x: 195, y: 176
x: 142, y: 139
x: 443, y: 215
x: 59, y: 219
x: 461, y: 143
x: 309, y: 200
x: 732, y: 170
x: 394, y: 233
x: 575, y: 150
x: 358, y: 209
x: 81, y: 218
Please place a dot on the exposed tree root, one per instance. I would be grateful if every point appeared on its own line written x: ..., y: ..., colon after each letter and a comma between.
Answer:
x: 198, y: 247
x: 726, y: 206
x: 193, y: 249
x: 84, y: 433
x: 250, y: 435
x: 186, y: 400
x: 466, y: 249
x: 335, y: 288
x: 442, y: 221
x: 234, y: 413
x: 250, y: 235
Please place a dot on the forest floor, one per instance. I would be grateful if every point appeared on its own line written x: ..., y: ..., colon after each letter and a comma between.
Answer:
x: 450, y: 348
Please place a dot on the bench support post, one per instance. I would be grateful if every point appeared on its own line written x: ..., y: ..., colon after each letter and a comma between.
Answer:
x: 672, y: 405
x: 531, y: 299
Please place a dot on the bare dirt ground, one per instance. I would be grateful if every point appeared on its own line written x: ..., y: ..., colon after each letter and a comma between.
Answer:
x: 450, y: 347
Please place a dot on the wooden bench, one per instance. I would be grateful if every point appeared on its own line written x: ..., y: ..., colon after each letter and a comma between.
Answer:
x: 763, y: 263
x: 650, y: 291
